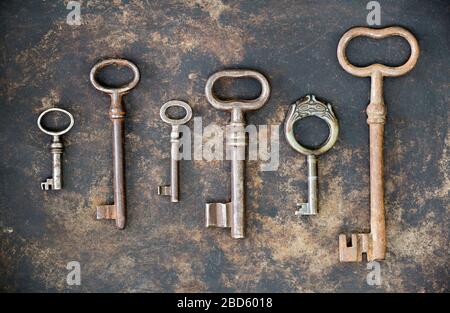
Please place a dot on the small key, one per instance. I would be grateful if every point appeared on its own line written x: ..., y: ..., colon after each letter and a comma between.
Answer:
x: 373, y: 244
x: 232, y: 214
x: 172, y: 190
x: 310, y: 106
x: 116, y: 211
x: 56, y: 149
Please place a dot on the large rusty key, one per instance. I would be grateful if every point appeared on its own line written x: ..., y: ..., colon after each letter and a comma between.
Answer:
x: 373, y: 244
x: 232, y: 214
x: 116, y: 211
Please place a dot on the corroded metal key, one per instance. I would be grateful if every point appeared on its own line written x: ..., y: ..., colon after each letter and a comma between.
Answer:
x: 373, y: 244
x: 172, y: 190
x: 56, y: 149
x: 116, y: 211
x: 232, y: 214
x: 310, y: 106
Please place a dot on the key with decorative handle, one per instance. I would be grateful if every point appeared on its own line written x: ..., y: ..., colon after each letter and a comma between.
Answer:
x: 232, y: 214
x: 56, y: 149
x: 172, y: 190
x: 311, y: 106
x: 373, y: 244
x: 116, y: 211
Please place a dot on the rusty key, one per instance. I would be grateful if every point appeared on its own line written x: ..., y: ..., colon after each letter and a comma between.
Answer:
x: 232, y: 214
x: 116, y: 211
x: 373, y: 244
x: 172, y: 190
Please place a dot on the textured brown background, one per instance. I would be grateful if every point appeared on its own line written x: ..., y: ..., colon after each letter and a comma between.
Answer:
x: 177, y: 45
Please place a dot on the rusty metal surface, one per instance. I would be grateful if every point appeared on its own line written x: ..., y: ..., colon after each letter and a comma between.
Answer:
x: 177, y: 45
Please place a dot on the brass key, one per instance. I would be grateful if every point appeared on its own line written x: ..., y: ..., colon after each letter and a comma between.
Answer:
x: 232, y: 214
x: 311, y: 106
x: 116, y: 211
x: 374, y: 243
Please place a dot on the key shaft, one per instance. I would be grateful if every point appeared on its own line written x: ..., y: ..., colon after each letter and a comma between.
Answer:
x: 173, y: 189
x: 56, y: 149
x: 310, y: 208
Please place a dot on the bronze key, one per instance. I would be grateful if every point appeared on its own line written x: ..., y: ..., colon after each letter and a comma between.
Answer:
x: 374, y: 243
x: 116, y: 211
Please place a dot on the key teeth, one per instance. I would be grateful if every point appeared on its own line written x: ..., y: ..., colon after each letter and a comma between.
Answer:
x: 218, y: 214
x: 359, y: 244
x: 47, y: 184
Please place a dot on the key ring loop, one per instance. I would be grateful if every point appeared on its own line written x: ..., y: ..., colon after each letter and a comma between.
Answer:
x: 120, y: 62
x: 175, y: 103
x: 55, y: 133
x: 243, y: 105
x: 310, y: 106
x: 378, y: 34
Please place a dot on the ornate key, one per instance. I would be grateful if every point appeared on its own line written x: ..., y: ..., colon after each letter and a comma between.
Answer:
x: 231, y: 214
x: 310, y: 106
x: 56, y: 149
x: 172, y: 190
x: 373, y: 244
x: 116, y: 211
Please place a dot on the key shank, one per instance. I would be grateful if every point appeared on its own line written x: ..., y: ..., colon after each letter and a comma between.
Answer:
x: 56, y: 149
x: 116, y: 211
x: 310, y: 208
x: 173, y: 189
x: 236, y: 142
x: 372, y: 244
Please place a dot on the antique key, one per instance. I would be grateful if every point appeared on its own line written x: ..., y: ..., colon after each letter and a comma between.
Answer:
x: 116, y: 211
x: 231, y: 214
x: 373, y: 244
x: 310, y: 106
x: 172, y: 190
x: 56, y: 149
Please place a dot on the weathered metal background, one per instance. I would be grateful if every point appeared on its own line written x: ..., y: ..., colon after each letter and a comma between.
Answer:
x: 177, y: 45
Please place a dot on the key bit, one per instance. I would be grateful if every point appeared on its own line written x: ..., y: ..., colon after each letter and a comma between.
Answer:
x: 219, y: 214
x: 47, y: 184
x: 116, y: 211
x: 304, y: 209
x: 164, y: 191
x: 56, y: 149
x: 374, y: 243
x: 173, y: 189
x: 305, y: 107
